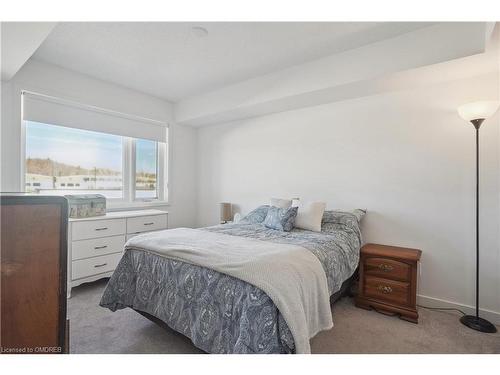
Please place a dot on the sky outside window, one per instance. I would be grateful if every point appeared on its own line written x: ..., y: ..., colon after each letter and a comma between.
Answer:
x: 72, y: 161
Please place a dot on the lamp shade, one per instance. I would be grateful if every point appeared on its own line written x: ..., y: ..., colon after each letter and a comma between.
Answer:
x: 478, y: 110
x: 225, y: 212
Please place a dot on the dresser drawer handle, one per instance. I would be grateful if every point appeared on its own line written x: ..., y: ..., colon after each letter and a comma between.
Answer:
x: 384, y: 289
x: 385, y: 267
x: 148, y: 223
x: 100, y: 247
x: 103, y: 228
x: 100, y: 265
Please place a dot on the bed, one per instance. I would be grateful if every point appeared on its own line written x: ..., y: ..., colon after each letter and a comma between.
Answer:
x: 222, y: 313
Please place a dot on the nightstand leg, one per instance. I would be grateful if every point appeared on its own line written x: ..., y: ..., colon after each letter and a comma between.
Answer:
x: 363, y: 305
x: 408, y: 318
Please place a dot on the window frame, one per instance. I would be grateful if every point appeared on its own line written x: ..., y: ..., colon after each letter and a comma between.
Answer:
x: 128, y: 199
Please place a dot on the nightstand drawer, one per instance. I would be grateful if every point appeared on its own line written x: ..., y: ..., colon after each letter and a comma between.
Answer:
x: 387, y: 268
x: 387, y: 290
x: 97, y: 246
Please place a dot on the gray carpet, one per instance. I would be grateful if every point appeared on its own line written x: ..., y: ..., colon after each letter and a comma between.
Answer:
x: 98, y: 330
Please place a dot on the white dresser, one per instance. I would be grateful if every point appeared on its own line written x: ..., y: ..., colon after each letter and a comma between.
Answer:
x: 95, y: 245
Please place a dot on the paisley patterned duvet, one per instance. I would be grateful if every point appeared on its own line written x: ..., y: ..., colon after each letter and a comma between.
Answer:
x: 219, y: 313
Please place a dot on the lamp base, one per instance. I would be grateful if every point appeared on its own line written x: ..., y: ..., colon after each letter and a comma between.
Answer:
x: 478, y: 324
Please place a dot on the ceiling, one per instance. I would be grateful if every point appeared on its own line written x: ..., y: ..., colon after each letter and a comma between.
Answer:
x: 170, y: 61
x: 18, y: 41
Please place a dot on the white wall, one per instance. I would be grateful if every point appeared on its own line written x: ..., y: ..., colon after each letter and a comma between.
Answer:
x: 52, y: 80
x: 406, y: 156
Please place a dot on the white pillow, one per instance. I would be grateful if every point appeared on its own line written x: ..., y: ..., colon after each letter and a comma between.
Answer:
x: 309, y: 216
x: 281, y: 203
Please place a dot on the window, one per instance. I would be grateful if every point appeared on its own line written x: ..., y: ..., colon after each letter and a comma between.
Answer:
x: 58, y: 157
x: 146, y: 168
x: 63, y: 160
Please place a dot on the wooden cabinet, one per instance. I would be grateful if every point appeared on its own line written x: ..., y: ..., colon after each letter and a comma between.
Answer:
x: 96, y: 243
x: 388, y: 280
x: 33, y: 274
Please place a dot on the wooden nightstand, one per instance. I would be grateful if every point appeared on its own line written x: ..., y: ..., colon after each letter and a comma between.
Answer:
x: 388, y: 280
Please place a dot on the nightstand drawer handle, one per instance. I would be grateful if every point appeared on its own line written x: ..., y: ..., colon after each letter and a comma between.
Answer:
x: 385, y: 267
x: 103, y: 228
x: 100, y: 247
x: 385, y: 289
x: 148, y: 223
x: 100, y: 265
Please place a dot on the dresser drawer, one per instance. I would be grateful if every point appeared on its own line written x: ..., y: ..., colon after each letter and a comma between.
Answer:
x: 97, y: 246
x: 93, y: 266
x: 146, y: 223
x: 387, y: 290
x: 83, y: 230
x: 387, y: 268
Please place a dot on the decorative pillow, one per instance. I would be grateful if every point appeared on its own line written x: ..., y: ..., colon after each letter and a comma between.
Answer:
x: 281, y: 203
x: 256, y: 216
x: 339, y: 220
x: 337, y: 216
x: 281, y: 218
x: 309, y: 217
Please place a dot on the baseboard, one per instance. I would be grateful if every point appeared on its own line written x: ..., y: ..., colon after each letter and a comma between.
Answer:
x: 492, y: 316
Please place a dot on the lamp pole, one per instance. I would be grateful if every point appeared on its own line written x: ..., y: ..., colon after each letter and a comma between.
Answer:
x: 471, y: 321
x: 477, y: 125
x: 476, y: 113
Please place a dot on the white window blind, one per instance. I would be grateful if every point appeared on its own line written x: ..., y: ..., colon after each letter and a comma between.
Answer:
x: 50, y: 110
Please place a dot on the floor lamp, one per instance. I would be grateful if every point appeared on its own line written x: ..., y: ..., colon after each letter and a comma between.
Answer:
x: 476, y: 113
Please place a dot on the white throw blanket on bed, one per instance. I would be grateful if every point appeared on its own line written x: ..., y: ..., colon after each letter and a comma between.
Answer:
x: 289, y: 274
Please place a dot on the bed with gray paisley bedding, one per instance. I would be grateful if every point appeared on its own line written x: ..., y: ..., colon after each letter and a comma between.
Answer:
x: 220, y: 313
